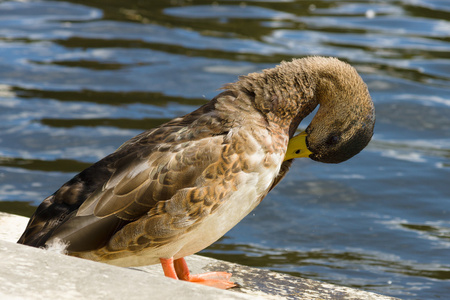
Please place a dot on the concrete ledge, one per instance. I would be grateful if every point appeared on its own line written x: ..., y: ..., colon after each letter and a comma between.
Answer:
x: 30, y: 273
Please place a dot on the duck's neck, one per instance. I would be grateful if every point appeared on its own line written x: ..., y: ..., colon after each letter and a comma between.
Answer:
x: 284, y: 95
x: 289, y: 92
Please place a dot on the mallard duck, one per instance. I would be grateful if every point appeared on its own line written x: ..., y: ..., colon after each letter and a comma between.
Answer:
x: 174, y: 190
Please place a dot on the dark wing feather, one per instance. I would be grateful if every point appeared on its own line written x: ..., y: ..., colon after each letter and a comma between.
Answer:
x: 59, y: 206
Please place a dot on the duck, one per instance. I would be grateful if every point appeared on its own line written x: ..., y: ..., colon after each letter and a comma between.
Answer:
x: 173, y: 190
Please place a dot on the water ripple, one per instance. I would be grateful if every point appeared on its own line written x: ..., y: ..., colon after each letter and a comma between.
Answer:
x: 79, y: 78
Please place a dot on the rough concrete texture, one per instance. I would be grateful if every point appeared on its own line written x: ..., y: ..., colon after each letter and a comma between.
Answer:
x: 30, y: 273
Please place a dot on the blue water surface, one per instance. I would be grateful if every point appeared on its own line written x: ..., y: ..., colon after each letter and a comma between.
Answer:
x: 78, y: 78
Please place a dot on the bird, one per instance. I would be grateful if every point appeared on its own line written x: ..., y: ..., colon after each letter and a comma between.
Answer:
x: 173, y: 190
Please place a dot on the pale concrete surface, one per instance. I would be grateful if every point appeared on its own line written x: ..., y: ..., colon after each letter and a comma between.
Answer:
x: 30, y: 273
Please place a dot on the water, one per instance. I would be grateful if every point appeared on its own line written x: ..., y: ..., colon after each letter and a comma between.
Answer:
x: 79, y: 78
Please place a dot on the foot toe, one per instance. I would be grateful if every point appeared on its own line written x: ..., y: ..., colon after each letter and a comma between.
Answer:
x: 215, y: 279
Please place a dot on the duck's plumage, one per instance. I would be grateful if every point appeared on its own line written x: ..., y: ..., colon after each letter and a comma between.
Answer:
x: 173, y: 190
x: 169, y: 179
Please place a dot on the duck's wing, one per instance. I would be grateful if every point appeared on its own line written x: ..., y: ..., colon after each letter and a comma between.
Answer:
x: 127, y: 184
x: 136, y: 188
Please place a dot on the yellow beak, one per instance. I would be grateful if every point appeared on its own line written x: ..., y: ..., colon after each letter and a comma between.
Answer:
x: 297, y: 147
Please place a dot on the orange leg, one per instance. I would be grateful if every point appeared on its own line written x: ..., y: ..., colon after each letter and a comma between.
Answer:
x: 178, y: 269
x: 168, y: 268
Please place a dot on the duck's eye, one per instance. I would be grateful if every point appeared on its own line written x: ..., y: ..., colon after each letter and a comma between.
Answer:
x: 333, y: 140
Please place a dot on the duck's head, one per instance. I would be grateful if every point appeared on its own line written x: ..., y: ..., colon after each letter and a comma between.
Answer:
x: 344, y: 122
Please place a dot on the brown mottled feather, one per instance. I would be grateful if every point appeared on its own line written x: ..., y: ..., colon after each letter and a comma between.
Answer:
x: 171, y: 164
